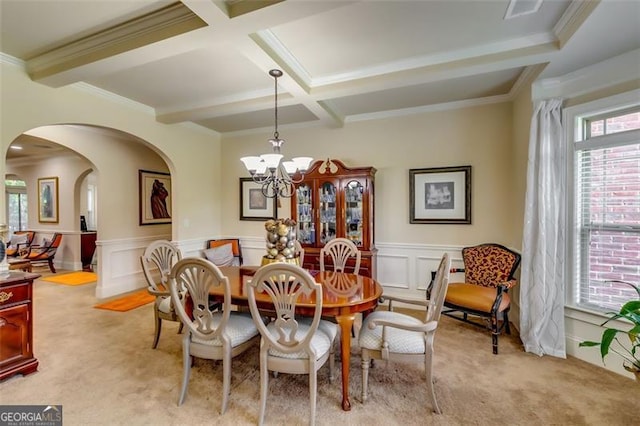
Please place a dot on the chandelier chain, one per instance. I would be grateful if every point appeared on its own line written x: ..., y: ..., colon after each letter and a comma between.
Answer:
x: 275, y: 177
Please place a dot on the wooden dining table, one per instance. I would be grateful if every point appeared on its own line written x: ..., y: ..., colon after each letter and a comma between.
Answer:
x: 343, y: 296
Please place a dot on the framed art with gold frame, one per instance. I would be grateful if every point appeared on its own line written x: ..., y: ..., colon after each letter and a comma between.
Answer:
x: 48, y: 200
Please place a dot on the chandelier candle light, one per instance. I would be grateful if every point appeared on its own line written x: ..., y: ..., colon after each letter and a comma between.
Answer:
x: 276, y: 177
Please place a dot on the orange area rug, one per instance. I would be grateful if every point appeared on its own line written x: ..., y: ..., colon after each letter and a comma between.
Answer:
x: 126, y: 303
x: 73, y: 278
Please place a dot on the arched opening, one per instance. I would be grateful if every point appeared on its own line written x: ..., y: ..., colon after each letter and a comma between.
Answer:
x: 96, y: 170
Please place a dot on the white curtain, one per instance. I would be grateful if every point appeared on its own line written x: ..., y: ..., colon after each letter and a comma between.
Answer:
x: 543, y: 243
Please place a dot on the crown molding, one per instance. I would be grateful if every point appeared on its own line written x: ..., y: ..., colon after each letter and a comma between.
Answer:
x: 572, y: 19
x: 170, y: 21
x: 611, y: 72
x: 12, y: 60
x: 429, y: 108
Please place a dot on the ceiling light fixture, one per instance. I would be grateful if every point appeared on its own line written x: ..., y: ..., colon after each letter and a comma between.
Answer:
x: 276, y: 177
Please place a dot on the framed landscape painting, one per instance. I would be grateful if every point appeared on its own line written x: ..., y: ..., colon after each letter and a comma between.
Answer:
x: 155, y: 197
x: 440, y: 195
x: 253, y: 203
x: 48, y: 200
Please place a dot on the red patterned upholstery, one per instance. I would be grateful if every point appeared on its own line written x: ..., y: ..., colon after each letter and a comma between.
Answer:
x: 489, y: 265
x: 489, y: 271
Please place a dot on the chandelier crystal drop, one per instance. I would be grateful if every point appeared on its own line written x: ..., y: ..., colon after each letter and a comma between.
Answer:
x: 276, y: 176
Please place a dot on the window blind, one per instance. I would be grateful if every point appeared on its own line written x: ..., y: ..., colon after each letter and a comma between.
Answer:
x: 607, y: 207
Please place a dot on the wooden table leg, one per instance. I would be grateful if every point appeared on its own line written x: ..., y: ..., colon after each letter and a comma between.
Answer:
x: 346, y: 323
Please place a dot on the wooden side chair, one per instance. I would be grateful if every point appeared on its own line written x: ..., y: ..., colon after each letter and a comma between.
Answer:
x: 290, y: 344
x: 394, y: 336
x: 160, y: 255
x: 340, y: 250
x: 212, y: 333
x: 489, y: 274
x: 44, y: 253
x: 224, y: 252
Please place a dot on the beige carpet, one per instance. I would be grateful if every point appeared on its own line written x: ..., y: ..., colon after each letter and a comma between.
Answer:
x: 100, y: 366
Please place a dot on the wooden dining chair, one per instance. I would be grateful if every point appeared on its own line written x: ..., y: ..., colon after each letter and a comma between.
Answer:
x: 291, y: 344
x: 298, y: 251
x: 159, y: 257
x: 341, y: 251
x: 395, y: 336
x: 212, y: 333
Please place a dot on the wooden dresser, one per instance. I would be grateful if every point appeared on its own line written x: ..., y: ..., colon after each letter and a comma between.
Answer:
x: 16, y: 324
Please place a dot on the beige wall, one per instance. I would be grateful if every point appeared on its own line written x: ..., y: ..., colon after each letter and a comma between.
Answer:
x: 478, y: 136
x: 192, y: 156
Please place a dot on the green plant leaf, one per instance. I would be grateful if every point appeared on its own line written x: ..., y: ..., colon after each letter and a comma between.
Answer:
x: 630, y: 307
x: 607, y: 337
x: 588, y: 343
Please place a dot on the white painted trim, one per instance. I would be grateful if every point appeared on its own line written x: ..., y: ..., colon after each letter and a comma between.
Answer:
x: 604, y: 74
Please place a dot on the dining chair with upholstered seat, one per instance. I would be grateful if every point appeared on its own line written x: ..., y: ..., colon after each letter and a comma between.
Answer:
x: 212, y: 333
x: 290, y: 343
x: 160, y: 255
x: 45, y: 252
x: 394, y: 336
x: 341, y: 250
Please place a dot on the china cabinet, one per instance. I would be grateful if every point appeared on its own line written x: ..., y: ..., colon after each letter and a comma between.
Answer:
x: 335, y: 201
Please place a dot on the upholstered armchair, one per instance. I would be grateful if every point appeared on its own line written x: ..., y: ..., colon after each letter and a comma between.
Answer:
x: 45, y: 252
x: 19, y: 243
x: 224, y: 252
x: 489, y: 274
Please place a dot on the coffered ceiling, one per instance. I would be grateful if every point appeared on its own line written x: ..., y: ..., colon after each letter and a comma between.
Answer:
x: 207, y: 61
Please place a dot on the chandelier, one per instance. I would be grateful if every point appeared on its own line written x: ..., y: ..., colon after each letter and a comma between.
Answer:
x: 275, y: 176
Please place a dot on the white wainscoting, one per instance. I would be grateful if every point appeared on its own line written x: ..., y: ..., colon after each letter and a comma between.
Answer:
x: 118, y: 267
x: 403, y: 269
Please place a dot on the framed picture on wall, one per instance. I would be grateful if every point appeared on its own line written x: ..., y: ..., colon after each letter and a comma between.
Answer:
x: 155, y: 197
x: 440, y: 195
x: 253, y: 204
x: 48, y: 200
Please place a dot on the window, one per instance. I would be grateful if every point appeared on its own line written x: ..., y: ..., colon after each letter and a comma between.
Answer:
x: 606, y: 207
x: 16, y: 193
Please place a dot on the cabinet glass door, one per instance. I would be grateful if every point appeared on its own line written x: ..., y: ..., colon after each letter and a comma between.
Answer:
x: 328, y: 222
x: 304, y: 208
x: 354, y: 211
